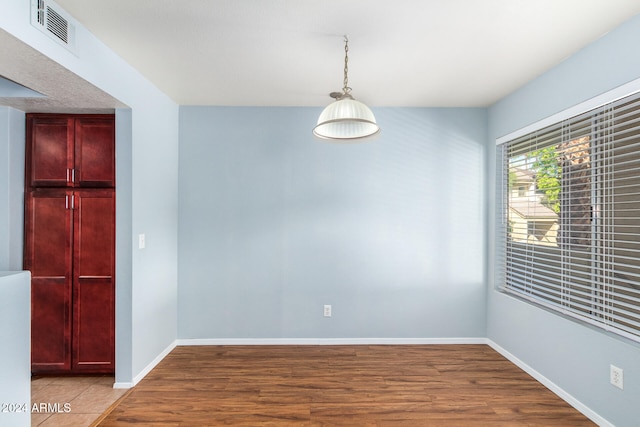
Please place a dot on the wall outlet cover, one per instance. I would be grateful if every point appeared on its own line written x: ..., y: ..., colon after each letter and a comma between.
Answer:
x: 616, y: 377
x: 327, y: 310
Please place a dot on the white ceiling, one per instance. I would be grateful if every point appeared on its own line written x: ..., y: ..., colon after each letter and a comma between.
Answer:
x: 290, y: 52
x: 448, y: 53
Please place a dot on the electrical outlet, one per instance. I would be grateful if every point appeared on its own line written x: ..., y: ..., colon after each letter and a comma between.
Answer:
x: 327, y: 310
x: 616, y: 376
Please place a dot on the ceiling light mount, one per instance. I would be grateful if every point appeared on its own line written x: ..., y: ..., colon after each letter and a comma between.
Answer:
x: 345, y: 119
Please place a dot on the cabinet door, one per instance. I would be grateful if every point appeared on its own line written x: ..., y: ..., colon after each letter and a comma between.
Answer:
x: 93, y: 282
x: 48, y: 237
x: 50, y: 145
x: 95, y: 151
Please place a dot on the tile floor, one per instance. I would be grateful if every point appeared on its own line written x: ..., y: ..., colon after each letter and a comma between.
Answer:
x: 71, y: 401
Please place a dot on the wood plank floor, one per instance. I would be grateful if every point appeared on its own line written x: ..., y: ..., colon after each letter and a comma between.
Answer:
x: 375, y: 386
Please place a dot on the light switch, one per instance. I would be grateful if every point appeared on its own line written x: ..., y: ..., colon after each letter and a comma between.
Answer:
x: 141, y: 241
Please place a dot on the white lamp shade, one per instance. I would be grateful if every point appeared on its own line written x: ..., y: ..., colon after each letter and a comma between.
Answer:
x: 346, y: 119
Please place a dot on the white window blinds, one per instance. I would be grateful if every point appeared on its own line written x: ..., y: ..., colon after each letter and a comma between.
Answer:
x: 569, y: 217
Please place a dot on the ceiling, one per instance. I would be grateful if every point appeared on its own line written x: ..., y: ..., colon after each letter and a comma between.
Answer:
x: 34, y: 83
x: 445, y: 53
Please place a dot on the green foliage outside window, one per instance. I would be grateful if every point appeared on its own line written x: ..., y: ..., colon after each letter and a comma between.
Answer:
x: 548, y: 175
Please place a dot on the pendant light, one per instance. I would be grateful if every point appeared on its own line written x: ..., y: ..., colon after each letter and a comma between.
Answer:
x: 345, y: 119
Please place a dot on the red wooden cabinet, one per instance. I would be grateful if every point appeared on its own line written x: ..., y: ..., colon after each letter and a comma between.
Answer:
x: 70, y: 242
x: 93, y: 281
x: 48, y: 256
x: 70, y: 151
x: 50, y: 146
x: 95, y: 160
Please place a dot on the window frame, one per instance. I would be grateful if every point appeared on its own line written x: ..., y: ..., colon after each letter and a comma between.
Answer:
x: 502, y: 191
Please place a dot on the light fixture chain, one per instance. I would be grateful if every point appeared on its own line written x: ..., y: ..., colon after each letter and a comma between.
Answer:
x: 346, y: 87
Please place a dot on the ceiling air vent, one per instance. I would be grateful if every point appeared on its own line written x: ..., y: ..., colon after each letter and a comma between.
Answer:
x: 53, y: 21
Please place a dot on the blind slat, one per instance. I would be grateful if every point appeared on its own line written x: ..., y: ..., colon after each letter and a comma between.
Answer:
x: 569, y: 217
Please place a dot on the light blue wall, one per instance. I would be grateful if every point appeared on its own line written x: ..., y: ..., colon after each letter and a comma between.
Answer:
x: 12, y: 136
x: 15, y: 351
x: 147, y: 184
x: 155, y: 213
x: 275, y: 223
x: 573, y: 356
x: 124, y: 247
x: 5, y: 173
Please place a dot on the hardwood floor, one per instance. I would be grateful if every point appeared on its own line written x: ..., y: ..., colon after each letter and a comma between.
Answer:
x: 376, y: 386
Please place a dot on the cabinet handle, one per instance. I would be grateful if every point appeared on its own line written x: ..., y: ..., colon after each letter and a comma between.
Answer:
x: 68, y: 173
x: 73, y: 175
x: 66, y: 201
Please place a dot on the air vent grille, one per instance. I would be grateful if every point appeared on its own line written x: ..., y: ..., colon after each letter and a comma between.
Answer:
x: 53, y: 21
x: 57, y: 25
x: 40, y: 12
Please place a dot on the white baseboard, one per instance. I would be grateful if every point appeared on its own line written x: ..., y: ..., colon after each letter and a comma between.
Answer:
x: 294, y: 341
x: 123, y: 385
x: 328, y: 341
x: 585, y: 410
x: 147, y: 368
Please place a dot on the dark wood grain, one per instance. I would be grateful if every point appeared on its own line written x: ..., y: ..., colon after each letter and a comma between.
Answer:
x: 423, y: 385
x: 70, y: 241
x: 93, y: 323
x: 49, y: 260
x: 95, y: 159
x: 49, y: 150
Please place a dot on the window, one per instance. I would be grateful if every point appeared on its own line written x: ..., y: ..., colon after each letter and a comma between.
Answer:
x: 569, y: 217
